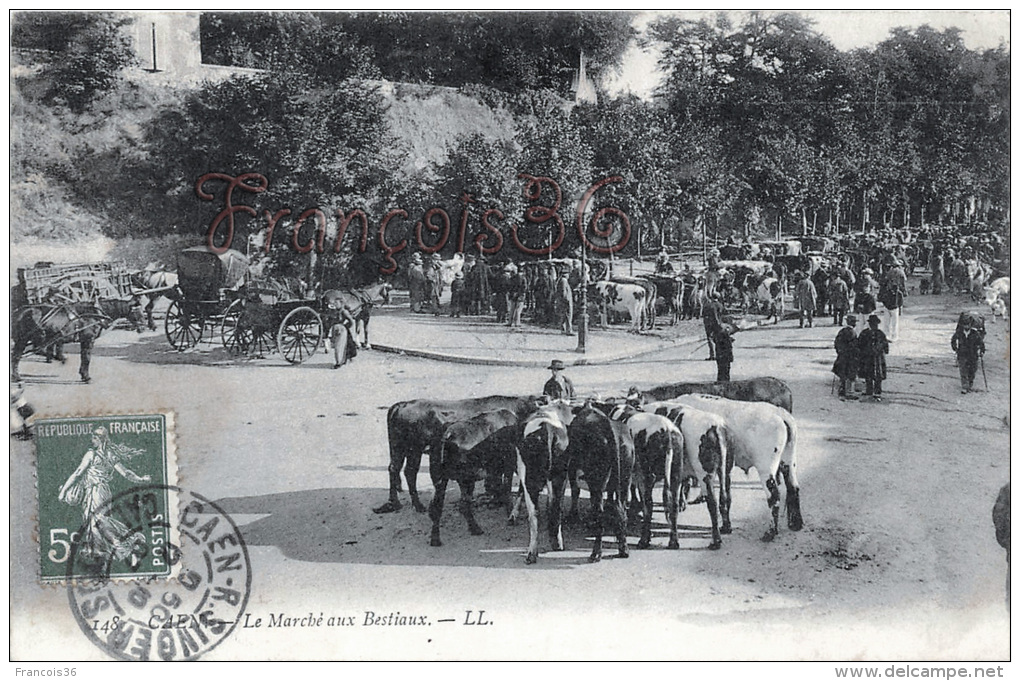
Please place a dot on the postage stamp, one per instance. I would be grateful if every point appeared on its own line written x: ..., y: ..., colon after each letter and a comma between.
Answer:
x: 163, y: 619
x: 85, y: 462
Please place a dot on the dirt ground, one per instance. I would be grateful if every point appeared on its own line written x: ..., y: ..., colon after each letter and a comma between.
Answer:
x: 897, y: 559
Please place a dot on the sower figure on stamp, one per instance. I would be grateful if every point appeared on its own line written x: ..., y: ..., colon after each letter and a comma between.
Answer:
x: 969, y: 345
x: 872, y: 347
x: 845, y: 366
x: 89, y: 487
x: 558, y: 387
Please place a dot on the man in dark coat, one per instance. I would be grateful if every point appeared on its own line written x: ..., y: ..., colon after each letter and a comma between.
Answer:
x: 563, y: 303
x: 711, y: 317
x: 723, y: 352
x: 845, y: 366
x: 872, y: 347
x: 969, y: 345
x: 558, y: 387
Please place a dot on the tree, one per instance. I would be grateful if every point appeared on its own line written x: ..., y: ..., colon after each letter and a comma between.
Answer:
x: 83, y: 53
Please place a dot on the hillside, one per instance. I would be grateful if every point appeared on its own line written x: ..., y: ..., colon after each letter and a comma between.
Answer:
x: 49, y: 221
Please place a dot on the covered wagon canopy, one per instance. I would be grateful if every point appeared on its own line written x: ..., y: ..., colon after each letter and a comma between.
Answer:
x: 202, y: 273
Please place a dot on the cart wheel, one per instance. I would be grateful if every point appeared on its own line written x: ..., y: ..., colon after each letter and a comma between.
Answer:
x: 241, y: 335
x: 300, y: 334
x: 236, y: 337
x: 183, y: 329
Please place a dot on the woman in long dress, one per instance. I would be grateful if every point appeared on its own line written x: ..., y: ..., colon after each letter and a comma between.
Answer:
x: 89, y: 487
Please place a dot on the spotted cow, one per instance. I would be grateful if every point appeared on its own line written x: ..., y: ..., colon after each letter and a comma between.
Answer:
x: 629, y: 298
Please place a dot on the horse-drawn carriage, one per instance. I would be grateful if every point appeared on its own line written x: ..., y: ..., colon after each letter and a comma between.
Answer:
x: 217, y: 300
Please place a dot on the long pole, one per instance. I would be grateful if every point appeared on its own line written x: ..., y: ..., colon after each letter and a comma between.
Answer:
x: 154, y: 68
x: 582, y: 329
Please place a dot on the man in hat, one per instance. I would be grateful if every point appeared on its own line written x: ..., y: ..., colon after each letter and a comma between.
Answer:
x: 517, y: 289
x: 805, y: 297
x: 563, y: 302
x: 872, y: 347
x: 723, y: 352
x: 839, y: 297
x: 434, y: 283
x: 416, y: 282
x: 894, y: 288
x: 458, y: 296
x: 969, y: 345
x: 845, y: 366
x: 558, y: 387
x: 711, y: 317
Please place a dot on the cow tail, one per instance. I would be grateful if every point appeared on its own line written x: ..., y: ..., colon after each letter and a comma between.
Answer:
x: 789, y: 456
x: 788, y: 468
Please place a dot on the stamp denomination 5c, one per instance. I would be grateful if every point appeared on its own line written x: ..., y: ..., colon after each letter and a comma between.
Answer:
x: 82, y: 464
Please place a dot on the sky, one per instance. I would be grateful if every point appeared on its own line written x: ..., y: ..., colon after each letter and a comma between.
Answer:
x: 846, y: 29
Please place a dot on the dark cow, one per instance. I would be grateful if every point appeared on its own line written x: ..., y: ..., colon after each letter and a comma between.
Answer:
x: 469, y: 449
x: 761, y: 389
x: 417, y: 426
x: 604, y: 451
x: 658, y: 453
x: 671, y: 290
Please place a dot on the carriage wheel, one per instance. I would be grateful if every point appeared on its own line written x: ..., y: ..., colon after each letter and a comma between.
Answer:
x: 240, y: 337
x: 300, y: 334
x: 183, y: 329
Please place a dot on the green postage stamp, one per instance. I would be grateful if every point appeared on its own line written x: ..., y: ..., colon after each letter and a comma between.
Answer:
x: 105, y: 496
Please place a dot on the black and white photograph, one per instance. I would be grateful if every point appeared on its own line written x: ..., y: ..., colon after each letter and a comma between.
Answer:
x: 513, y: 336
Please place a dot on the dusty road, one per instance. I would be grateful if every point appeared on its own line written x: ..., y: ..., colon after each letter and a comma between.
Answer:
x: 897, y: 560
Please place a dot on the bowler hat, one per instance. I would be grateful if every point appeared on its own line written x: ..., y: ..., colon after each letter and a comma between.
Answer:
x: 851, y: 319
x: 875, y: 318
x: 556, y: 365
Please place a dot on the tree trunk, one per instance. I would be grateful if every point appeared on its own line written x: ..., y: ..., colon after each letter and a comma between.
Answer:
x: 779, y: 227
x: 803, y: 221
x: 864, y: 211
x: 699, y: 222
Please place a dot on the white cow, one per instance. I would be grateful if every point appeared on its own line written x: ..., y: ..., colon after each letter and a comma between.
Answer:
x: 764, y: 437
x: 629, y: 298
x: 997, y: 298
x: 770, y: 298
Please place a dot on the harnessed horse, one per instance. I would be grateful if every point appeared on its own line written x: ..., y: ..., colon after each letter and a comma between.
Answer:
x: 154, y: 284
x: 359, y: 303
x: 45, y: 329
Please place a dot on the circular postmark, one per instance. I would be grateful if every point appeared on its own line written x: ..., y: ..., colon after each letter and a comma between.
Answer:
x: 148, y: 616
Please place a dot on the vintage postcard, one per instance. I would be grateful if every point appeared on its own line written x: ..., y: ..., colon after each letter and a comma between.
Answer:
x: 511, y: 335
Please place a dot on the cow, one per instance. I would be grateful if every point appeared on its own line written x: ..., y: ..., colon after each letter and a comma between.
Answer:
x: 671, y: 290
x: 415, y: 427
x: 761, y: 389
x: 764, y: 437
x: 705, y: 456
x: 468, y: 450
x: 658, y: 453
x: 629, y: 298
x: 996, y: 296
x: 542, y: 458
x: 603, y: 450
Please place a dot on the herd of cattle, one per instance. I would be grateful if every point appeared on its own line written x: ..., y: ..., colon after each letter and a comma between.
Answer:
x: 685, y: 434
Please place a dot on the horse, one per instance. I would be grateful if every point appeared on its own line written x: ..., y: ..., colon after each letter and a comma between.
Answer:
x: 154, y: 284
x: 45, y: 329
x: 359, y: 303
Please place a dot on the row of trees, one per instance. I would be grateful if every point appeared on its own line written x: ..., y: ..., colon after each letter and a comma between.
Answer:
x: 753, y: 124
